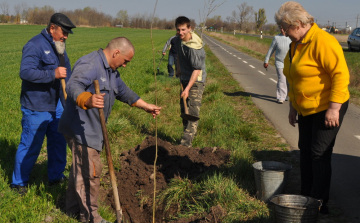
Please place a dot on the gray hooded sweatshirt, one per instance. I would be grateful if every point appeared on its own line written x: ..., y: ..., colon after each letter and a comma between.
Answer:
x: 191, y: 57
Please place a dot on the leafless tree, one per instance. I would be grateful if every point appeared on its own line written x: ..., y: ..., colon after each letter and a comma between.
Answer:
x: 24, y: 10
x: 17, y: 11
x: 87, y: 16
x: 123, y: 17
x: 228, y: 24
x: 209, y: 7
x: 214, y: 22
x: 4, y: 6
x: 40, y: 15
x: 4, y: 17
x: 243, y: 15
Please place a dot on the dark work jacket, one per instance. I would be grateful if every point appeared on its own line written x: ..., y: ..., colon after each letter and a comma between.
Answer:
x: 171, y: 42
x: 84, y: 125
x: 40, y: 91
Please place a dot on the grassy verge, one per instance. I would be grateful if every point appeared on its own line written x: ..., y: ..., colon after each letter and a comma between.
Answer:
x: 256, y: 47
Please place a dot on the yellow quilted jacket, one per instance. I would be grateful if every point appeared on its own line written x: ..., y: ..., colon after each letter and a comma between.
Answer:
x: 317, y: 72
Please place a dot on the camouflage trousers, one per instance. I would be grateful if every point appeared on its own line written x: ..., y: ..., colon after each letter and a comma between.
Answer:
x: 194, y: 103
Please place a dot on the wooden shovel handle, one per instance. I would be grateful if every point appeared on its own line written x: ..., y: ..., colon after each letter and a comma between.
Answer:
x: 184, y: 99
x: 63, y: 85
x: 109, y: 158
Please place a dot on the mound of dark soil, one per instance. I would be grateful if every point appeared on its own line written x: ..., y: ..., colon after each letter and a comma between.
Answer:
x: 135, y: 180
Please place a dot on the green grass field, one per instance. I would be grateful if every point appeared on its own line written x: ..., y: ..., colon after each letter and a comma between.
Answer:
x: 228, y: 120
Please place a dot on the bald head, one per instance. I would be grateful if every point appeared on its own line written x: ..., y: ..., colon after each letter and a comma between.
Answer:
x: 122, y: 44
x: 119, y: 52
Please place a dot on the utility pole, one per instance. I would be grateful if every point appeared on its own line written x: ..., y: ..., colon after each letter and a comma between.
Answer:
x: 357, y: 19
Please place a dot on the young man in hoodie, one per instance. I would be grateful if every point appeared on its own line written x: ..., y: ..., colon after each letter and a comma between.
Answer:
x: 191, y: 69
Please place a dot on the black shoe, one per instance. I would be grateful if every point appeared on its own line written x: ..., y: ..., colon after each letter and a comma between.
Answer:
x: 56, y: 182
x: 324, y: 210
x: 20, y: 189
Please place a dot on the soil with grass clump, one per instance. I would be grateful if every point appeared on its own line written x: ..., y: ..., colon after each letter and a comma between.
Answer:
x: 135, y: 179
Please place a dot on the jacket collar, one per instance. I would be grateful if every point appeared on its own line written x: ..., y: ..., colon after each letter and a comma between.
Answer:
x: 195, y: 42
x: 103, y: 58
x: 310, y: 34
x: 47, y: 35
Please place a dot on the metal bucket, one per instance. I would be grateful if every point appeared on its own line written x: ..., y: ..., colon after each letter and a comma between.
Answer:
x: 270, y: 178
x: 295, y: 208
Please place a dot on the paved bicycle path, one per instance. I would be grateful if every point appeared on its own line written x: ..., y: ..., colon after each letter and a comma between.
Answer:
x: 261, y: 85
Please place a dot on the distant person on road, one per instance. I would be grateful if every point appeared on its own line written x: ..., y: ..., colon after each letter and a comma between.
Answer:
x: 172, y: 60
x: 40, y: 72
x: 191, y: 68
x: 80, y: 122
x: 318, y: 77
x: 279, y: 45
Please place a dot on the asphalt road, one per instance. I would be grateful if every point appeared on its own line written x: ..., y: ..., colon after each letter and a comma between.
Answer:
x: 344, y: 45
x: 261, y: 85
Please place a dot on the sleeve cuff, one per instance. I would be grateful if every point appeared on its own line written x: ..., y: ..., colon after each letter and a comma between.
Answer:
x: 82, y: 98
x: 134, y: 104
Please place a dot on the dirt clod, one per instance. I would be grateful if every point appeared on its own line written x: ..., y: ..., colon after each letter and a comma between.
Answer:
x: 135, y: 179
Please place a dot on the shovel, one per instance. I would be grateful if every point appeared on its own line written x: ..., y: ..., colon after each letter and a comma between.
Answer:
x: 186, y: 116
x: 109, y: 159
x: 62, y: 64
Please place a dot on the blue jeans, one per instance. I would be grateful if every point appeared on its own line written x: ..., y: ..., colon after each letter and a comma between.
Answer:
x: 172, y: 61
x: 35, y: 125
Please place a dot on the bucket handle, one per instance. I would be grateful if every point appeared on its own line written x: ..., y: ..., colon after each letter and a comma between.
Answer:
x: 321, y: 202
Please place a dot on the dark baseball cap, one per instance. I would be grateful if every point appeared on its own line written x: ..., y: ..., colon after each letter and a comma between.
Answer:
x: 63, y: 21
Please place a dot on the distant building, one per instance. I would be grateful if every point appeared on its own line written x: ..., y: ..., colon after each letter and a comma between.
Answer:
x: 348, y: 29
x: 23, y: 21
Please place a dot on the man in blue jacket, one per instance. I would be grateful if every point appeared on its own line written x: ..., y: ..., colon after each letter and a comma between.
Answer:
x: 80, y: 122
x: 41, y: 102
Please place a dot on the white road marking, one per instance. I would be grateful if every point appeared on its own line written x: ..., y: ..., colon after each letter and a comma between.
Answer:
x: 239, y: 58
x: 230, y: 53
x: 261, y: 72
x: 358, y: 137
x: 234, y: 55
x: 251, y: 66
x: 273, y: 80
x: 244, y: 61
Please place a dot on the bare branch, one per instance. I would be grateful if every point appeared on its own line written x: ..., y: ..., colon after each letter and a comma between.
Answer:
x: 4, y: 6
x: 209, y: 7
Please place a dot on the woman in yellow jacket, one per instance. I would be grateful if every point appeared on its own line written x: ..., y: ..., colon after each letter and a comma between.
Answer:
x: 318, y: 77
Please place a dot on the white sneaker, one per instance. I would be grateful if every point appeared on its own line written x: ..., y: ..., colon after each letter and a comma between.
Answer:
x: 280, y: 102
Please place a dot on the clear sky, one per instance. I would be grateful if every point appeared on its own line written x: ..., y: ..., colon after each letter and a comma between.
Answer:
x: 339, y: 11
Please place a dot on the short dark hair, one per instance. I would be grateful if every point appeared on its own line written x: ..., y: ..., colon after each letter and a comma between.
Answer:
x: 121, y: 43
x: 181, y: 20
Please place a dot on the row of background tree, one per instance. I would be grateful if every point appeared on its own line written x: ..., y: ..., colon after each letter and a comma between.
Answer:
x: 243, y: 19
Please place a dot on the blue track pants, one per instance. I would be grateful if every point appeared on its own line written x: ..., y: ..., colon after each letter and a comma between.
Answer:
x: 35, y: 126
